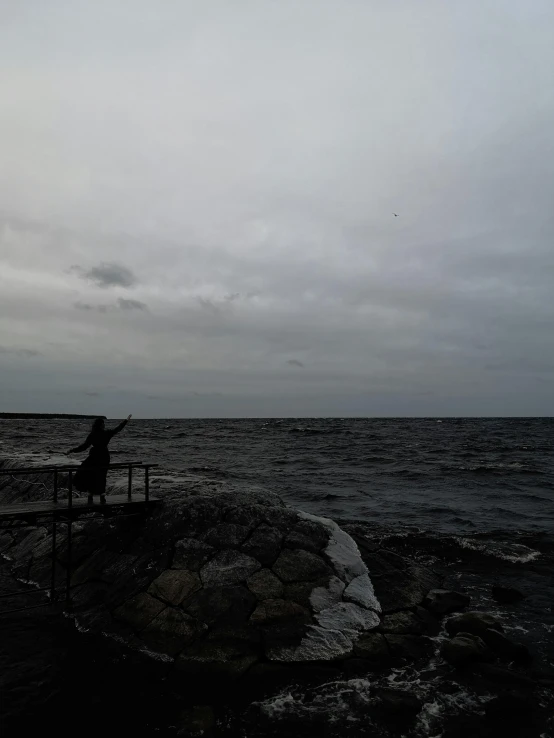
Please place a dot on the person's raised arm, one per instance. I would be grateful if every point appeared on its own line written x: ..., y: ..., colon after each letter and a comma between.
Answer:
x: 82, y: 447
x: 120, y: 427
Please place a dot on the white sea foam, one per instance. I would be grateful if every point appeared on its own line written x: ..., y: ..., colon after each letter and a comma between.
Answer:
x: 517, y: 553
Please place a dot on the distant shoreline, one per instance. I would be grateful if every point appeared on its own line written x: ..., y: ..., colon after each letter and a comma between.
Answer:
x: 47, y: 416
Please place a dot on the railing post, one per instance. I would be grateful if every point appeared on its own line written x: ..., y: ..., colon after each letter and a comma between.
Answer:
x: 69, y: 532
x: 130, y: 482
x: 53, y: 582
x: 146, y: 484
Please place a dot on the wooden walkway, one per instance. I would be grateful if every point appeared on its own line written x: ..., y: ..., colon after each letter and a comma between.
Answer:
x: 78, y: 507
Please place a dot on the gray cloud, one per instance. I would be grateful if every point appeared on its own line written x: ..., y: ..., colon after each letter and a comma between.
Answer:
x: 124, y: 304
x: 107, y: 275
x: 20, y: 352
x: 247, y: 242
x: 121, y: 304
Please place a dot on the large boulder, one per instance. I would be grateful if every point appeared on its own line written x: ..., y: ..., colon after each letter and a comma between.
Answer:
x: 443, y: 601
x: 465, y: 649
x: 217, y: 582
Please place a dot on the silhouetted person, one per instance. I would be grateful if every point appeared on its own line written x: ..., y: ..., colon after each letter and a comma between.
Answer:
x: 91, y: 475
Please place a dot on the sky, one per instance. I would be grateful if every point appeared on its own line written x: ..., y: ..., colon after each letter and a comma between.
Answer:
x: 197, y: 206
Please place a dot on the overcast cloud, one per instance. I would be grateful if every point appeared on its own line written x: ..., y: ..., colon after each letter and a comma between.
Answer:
x: 197, y: 198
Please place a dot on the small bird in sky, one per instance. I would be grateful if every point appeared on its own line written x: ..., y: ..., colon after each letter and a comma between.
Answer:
x: 395, y: 215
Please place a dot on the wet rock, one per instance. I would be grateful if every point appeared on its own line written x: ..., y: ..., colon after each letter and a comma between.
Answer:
x: 443, y: 601
x: 430, y: 624
x: 226, y: 535
x: 307, y: 535
x: 322, y: 597
x: 371, y: 647
x: 174, y: 585
x: 297, y: 565
x: 472, y: 622
x: 139, y: 611
x: 228, y: 567
x: 504, y: 647
x: 360, y: 590
x: 302, y: 592
x: 464, y: 649
x: 399, y: 584
x: 191, y: 554
x: 25, y: 547
x: 171, y: 631
x: 264, y: 544
x: 216, y: 659
x: 402, y: 623
x: 409, y: 647
x: 507, y: 595
x: 272, y: 610
x: 265, y: 585
x: 349, y: 617
x: 225, y: 605
x: 399, y: 702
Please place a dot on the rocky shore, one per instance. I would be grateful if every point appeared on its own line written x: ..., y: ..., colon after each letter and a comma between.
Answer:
x: 232, y: 613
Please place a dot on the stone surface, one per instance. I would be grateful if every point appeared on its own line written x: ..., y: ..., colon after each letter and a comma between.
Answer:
x: 139, y: 611
x: 360, y: 590
x: 319, y: 644
x: 443, y: 601
x: 264, y: 544
x: 218, y: 580
x: 216, y: 659
x: 307, y: 535
x: 265, y: 585
x: 402, y: 623
x: 301, y: 592
x: 226, y: 535
x: 398, y: 583
x: 472, y: 622
x: 228, y: 567
x: 297, y: 565
x: 409, y: 647
x: 226, y: 605
x: 191, y: 554
x: 399, y: 701
x: 174, y: 585
x: 171, y: 630
x: 348, y: 617
x: 371, y: 646
x: 503, y: 646
x: 272, y: 610
x: 323, y: 597
x: 464, y: 649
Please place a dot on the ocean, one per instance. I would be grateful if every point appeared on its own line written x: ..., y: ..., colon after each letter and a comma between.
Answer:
x: 470, y: 497
x: 458, y: 475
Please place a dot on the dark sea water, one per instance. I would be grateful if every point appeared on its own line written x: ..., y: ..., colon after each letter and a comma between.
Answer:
x: 473, y: 497
x: 449, y: 475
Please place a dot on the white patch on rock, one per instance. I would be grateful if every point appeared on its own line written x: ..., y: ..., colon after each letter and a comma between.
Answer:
x: 345, y: 609
x: 349, y: 618
x: 323, y: 597
x: 360, y: 590
x: 341, y: 549
x: 319, y: 644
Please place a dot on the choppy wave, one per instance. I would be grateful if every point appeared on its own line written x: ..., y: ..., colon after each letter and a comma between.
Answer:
x: 462, y: 475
